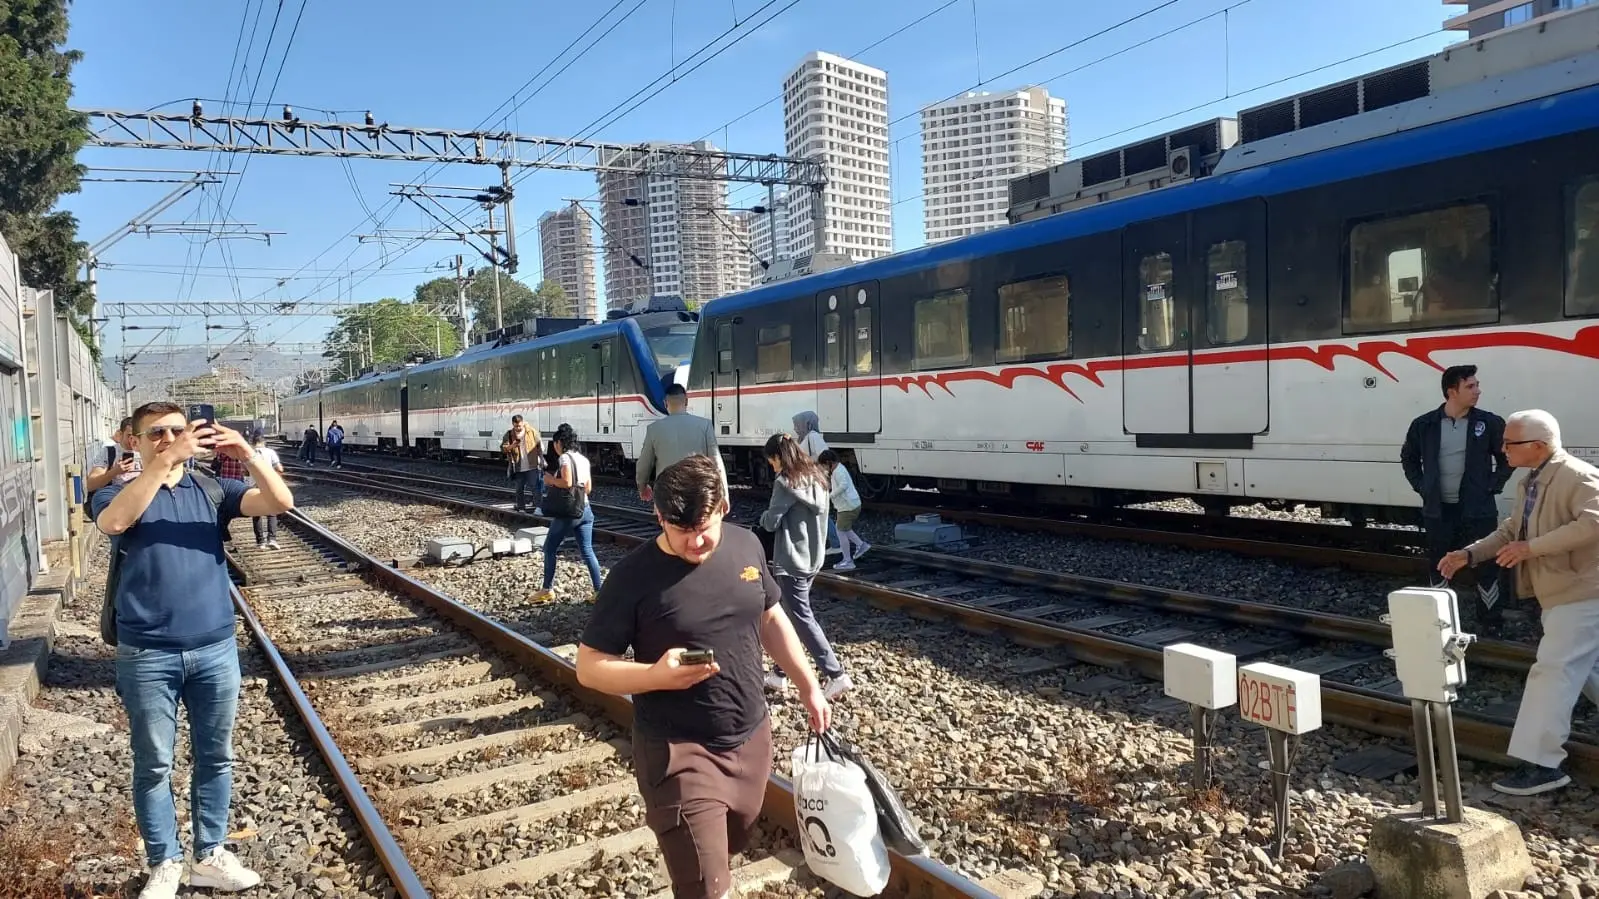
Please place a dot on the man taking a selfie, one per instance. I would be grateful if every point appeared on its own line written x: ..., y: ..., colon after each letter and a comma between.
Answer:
x: 173, y: 624
x: 697, y: 605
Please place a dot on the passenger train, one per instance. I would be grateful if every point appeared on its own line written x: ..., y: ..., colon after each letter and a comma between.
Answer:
x: 1254, y: 318
x: 607, y: 380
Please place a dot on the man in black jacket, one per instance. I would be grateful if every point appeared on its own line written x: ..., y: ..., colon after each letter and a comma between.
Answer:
x: 1454, y: 458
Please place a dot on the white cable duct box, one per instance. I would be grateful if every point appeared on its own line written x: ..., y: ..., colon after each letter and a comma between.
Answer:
x: 533, y: 535
x: 928, y: 530
x: 1280, y: 698
x: 512, y: 546
x: 1199, y: 676
x: 1429, y: 649
x: 443, y: 549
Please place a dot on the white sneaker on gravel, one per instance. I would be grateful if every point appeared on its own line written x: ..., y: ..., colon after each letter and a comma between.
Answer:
x: 273, y: 544
x: 776, y: 682
x: 863, y: 549
x: 844, y: 566
x: 836, y: 686
x: 164, y: 881
x: 222, y: 870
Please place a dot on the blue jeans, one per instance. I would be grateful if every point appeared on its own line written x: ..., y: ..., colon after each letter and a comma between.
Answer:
x: 560, y: 529
x: 151, y: 682
x: 797, y: 602
x: 832, y: 532
x: 525, y: 479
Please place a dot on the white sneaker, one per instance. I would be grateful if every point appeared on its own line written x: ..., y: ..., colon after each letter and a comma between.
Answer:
x: 837, y: 685
x: 776, y: 682
x: 844, y: 566
x: 863, y: 549
x: 273, y: 544
x: 222, y: 870
x: 834, y: 550
x: 164, y: 881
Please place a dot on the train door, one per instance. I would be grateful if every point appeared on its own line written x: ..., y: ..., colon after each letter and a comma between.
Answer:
x: 832, y: 391
x: 862, y: 359
x: 605, y: 388
x: 405, y: 415
x: 1228, y: 256
x: 1156, y: 342
x: 724, y: 382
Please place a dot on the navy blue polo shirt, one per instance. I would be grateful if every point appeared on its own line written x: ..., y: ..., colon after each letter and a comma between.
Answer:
x: 172, y: 591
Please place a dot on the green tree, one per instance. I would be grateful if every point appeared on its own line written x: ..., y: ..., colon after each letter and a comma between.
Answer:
x: 517, y: 302
x: 387, y: 331
x: 39, y: 140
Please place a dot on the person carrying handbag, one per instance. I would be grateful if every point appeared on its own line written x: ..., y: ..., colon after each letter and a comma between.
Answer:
x: 566, y: 503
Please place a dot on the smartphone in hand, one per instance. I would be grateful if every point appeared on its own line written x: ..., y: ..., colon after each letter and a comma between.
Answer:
x: 203, y: 411
x: 697, y: 657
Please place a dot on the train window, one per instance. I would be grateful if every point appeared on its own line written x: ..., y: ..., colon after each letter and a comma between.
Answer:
x: 606, y: 372
x: 943, y: 336
x: 1582, y: 254
x: 1227, y: 287
x: 1034, y: 319
x: 1430, y: 269
x: 724, y: 348
x: 774, y: 354
x: 832, y: 345
x: 577, y: 374
x: 863, y: 340
x: 1156, y: 314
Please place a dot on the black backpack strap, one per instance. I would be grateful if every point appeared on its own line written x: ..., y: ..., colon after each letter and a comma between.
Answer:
x: 212, y: 488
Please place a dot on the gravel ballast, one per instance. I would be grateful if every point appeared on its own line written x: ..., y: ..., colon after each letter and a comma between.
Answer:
x: 1109, y: 812
x: 289, y: 821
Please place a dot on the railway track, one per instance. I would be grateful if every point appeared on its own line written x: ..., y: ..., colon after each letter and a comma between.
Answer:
x: 1118, y: 625
x: 1387, y: 551
x: 473, y: 759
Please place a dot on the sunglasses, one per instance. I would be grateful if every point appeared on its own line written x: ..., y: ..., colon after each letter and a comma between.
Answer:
x: 160, y: 431
x: 1520, y: 442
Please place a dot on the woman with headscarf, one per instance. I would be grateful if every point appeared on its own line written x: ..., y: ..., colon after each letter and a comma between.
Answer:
x: 795, y: 515
x: 808, y: 433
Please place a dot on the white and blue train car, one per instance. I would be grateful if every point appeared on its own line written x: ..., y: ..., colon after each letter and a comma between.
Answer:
x: 1259, y: 327
x: 606, y: 380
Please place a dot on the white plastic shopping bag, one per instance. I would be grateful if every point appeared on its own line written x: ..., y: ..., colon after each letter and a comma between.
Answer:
x: 838, y: 820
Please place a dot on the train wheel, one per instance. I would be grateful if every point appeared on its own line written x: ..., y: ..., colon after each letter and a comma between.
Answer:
x: 873, y: 486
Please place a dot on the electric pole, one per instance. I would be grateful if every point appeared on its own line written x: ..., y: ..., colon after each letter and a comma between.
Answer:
x: 460, y: 309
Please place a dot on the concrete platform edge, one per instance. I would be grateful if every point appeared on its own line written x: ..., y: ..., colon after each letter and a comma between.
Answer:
x: 24, y: 662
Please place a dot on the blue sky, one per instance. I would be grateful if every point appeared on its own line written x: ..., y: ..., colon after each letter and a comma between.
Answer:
x: 452, y: 65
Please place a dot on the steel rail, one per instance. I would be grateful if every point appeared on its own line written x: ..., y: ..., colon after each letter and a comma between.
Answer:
x: 918, y: 877
x: 1479, y: 736
x: 1498, y: 654
x: 1266, y: 537
x: 389, y: 854
x: 1353, y: 559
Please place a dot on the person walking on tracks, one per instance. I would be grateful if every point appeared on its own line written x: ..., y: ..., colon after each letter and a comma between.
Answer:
x: 1454, y: 459
x: 523, y: 449
x: 697, y: 605
x: 671, y: 439
x: 566, y: 503
x: 797, y: 516
x: 170, y: 616
x: 1551, y: 542
x: 336, y: 444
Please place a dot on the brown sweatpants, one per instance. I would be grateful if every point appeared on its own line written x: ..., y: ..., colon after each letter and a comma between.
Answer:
x: 702, y: 805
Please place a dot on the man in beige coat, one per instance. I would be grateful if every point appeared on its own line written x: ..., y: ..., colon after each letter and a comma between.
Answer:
x: 1551, y: 542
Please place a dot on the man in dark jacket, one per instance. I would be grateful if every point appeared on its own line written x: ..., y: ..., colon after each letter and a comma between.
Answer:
x: 1454, y: 458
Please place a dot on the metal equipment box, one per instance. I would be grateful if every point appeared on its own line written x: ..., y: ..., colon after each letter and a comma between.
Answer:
x: 1201, y: 676
x: 443, y: 549
x: 1280, y: 698
x: 928, y: 530
x: 1428, y: 650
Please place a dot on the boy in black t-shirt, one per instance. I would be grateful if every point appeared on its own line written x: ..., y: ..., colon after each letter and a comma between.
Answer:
x: 702, y: 741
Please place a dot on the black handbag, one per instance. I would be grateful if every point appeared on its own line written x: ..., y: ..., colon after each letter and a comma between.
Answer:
x: 566, y: 502
x: 894, y: 821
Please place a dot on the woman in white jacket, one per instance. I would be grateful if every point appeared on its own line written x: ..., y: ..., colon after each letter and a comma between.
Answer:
x: 847, y: 502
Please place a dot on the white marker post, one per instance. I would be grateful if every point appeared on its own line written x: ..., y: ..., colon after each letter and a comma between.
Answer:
x: 1206, y: 679
x: 1430, y: 655
x: 1288, y: 704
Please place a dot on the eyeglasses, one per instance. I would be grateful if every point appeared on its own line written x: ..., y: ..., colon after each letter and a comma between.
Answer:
x: 1520, y: 442
x: 160, y: 431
